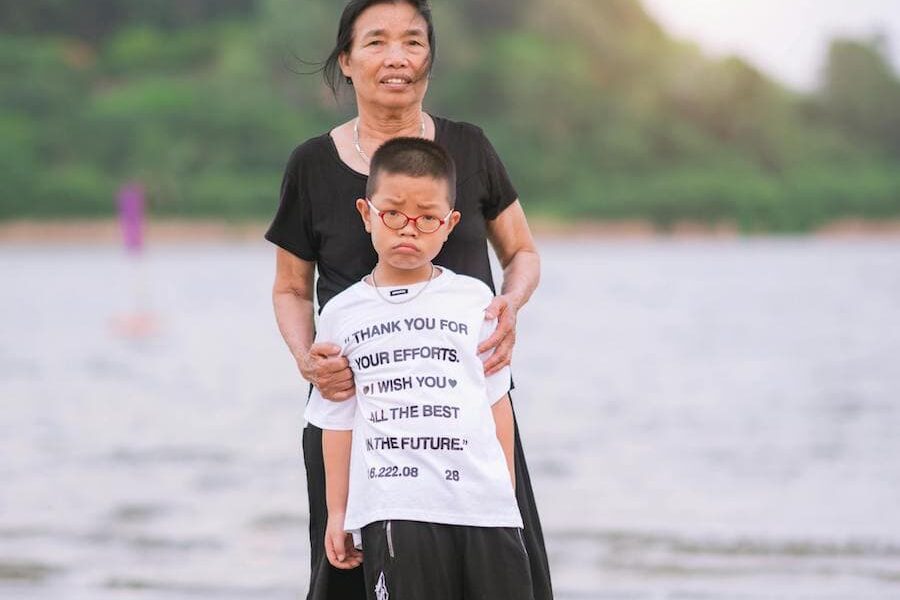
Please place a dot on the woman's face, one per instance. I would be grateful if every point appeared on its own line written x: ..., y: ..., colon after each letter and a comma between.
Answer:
x: 388, y: 60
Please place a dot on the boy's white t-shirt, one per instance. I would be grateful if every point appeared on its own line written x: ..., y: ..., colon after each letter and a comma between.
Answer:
x: 424, y: 440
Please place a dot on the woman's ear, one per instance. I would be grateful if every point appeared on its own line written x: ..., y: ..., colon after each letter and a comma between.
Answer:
x: 344, y: 63
x: 362, y: 207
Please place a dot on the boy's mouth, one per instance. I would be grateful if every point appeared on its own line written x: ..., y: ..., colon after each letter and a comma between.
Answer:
x: 406, y: 248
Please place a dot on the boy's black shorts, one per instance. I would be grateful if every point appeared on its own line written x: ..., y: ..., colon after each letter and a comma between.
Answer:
x: 412, y: 560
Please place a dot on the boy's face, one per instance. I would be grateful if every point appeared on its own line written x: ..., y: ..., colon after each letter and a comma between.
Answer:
x: 407, y: 252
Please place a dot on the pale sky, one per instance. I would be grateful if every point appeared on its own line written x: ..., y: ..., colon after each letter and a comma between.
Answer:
x: 787, y: 39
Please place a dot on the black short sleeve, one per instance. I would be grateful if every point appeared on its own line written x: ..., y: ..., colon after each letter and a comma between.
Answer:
x: 501, y: 192
x: 292, y: 228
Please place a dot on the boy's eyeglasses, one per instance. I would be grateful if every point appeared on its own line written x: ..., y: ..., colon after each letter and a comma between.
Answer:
x: 394, y: 219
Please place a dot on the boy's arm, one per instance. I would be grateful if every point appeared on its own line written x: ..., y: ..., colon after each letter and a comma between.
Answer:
x: 503, y: 422
x: 497, y: 385
x: 338, y: 543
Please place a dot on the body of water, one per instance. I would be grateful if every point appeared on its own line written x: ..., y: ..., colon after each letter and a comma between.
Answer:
x: 702, y: 420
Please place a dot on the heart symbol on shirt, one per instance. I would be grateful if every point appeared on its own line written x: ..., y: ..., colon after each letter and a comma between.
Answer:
x: 366, y: 389
x: 452, y: 382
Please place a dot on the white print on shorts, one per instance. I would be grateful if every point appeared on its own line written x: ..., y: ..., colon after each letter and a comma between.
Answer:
x: 381, y: 591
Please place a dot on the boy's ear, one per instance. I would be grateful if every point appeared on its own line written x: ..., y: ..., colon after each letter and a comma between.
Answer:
x: 362, y: 207
x: 452, y: 220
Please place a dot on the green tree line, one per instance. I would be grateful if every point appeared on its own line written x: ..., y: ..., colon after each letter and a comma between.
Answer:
x: 597, y: 112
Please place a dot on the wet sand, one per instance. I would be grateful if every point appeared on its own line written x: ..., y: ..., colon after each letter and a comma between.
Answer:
x: 703, y: 420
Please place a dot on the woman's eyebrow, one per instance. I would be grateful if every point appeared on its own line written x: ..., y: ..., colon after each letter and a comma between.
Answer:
x: 416, y: 32
x: 374, y: 33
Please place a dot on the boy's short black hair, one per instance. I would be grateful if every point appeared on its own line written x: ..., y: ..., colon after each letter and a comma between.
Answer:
x: 415, y: 157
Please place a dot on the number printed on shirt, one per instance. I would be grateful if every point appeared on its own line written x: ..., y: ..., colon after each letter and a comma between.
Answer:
x: 393, y: 471
x: 451, y: 475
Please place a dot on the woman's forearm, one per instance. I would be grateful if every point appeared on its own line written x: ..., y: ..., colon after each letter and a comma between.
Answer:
x: 521, y: 276
x: 512, y: 241
x: 292, y: 299
x: 294, y: 316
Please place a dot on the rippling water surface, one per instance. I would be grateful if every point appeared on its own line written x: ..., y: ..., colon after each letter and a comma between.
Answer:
x: 702, y: 420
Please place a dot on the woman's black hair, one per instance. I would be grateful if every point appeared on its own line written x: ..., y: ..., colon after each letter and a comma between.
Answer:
x: 331, y: 71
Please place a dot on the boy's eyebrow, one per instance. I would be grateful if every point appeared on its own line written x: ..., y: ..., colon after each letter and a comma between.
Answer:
x: 421, y: 204
x: 426, y: 205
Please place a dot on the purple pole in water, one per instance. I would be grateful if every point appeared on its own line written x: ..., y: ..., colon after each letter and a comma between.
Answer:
x: 131, y: 216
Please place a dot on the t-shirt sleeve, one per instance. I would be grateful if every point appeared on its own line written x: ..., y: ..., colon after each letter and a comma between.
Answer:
x: 501, y: 192
x: 327, y: 414
x: 291, y: 228
x: 497, y: 384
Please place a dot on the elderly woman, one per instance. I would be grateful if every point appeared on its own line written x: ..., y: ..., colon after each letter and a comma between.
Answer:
x: 385, y: 50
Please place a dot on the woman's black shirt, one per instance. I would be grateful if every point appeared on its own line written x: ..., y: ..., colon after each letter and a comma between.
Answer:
x: 317, y: 219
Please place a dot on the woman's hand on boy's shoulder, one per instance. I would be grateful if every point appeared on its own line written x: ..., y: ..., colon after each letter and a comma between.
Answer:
x: 503, y: 339
x: 324, y: 367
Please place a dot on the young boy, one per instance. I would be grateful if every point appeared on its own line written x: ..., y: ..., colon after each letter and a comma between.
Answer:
x: 421, y: 460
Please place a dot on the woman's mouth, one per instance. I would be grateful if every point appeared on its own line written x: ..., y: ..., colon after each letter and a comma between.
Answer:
x: 396, y: 82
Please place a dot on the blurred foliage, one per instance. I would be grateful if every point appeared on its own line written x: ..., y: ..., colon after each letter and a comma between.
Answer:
x: 595, y: 110
x: 862, y: 94
x: 96, y: 19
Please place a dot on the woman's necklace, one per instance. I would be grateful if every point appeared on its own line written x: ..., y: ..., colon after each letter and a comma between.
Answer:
x: 405, y: 300
x: 359, y: 150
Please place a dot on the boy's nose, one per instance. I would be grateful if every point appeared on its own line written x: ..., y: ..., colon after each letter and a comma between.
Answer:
x: 409, y: 229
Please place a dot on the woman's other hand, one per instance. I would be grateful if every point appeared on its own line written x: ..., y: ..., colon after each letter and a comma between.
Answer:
x: 503, y: 339
x: 324, y: 367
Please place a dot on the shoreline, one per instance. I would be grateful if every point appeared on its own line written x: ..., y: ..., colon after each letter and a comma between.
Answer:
x: 107, y: 231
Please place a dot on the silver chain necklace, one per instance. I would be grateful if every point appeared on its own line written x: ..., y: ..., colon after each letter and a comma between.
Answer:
x: 405, y: 300
x: 359, y: 149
